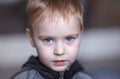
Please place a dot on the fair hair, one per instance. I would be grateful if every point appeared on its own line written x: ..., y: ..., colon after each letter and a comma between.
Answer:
x: 39, y: 9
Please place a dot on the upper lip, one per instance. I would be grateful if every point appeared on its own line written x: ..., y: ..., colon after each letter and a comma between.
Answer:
x: 59, y: 60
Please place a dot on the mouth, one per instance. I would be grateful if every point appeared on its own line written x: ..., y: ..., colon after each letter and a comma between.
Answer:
x: 59, y: 62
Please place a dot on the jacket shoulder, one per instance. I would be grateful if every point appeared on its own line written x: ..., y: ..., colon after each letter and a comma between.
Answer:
x: 29, y: 74
x: 82, y: 75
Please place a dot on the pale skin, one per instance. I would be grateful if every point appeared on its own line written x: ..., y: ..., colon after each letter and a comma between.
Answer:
x: 56, y: 41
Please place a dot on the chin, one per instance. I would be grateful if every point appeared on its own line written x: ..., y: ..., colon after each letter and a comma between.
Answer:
x: 59, y: 69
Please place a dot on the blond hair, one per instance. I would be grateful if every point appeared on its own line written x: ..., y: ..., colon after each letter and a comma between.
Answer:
x: 37, y: 9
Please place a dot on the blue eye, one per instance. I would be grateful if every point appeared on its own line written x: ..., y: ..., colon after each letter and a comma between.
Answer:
x: 69, y: 39
x: 48, y: 40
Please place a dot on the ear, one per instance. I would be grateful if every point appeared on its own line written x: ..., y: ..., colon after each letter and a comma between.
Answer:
x: 30, y: 36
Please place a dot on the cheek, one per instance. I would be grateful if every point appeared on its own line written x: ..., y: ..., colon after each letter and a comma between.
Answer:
x: 43, y: 51
x: 74, y: 49
x: 43, y: 54
x: 73, y: 52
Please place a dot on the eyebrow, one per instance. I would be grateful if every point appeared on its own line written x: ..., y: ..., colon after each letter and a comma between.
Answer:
x: 76, y: 35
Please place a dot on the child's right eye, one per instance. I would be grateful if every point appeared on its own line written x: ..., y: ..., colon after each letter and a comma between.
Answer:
x: 48, y: 40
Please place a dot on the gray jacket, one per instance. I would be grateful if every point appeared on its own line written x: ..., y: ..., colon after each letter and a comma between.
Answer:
x: 33, y: 69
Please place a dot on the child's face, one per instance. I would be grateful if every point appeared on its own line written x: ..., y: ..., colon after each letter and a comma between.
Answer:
x: 57, y: 42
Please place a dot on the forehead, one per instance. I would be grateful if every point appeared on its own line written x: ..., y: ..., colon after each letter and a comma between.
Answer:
x: 54, y: 18
x: 57, y: 25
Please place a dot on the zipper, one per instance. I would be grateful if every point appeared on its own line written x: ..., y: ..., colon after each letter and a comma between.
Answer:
x: 61, y: 75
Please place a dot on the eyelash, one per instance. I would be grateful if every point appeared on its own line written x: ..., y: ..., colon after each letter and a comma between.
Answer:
x: 70, y: 39
x: 48, y: 40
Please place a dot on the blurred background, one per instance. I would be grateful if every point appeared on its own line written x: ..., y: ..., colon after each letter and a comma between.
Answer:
x: 100, y: 44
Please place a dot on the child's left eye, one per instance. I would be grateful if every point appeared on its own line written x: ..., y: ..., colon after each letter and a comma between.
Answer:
x: 70, y: 39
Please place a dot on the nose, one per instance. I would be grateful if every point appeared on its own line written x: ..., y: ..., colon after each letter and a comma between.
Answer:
x: 59, y: 49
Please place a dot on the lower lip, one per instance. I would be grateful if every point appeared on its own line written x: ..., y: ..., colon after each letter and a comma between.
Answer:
x: 59, y: 63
